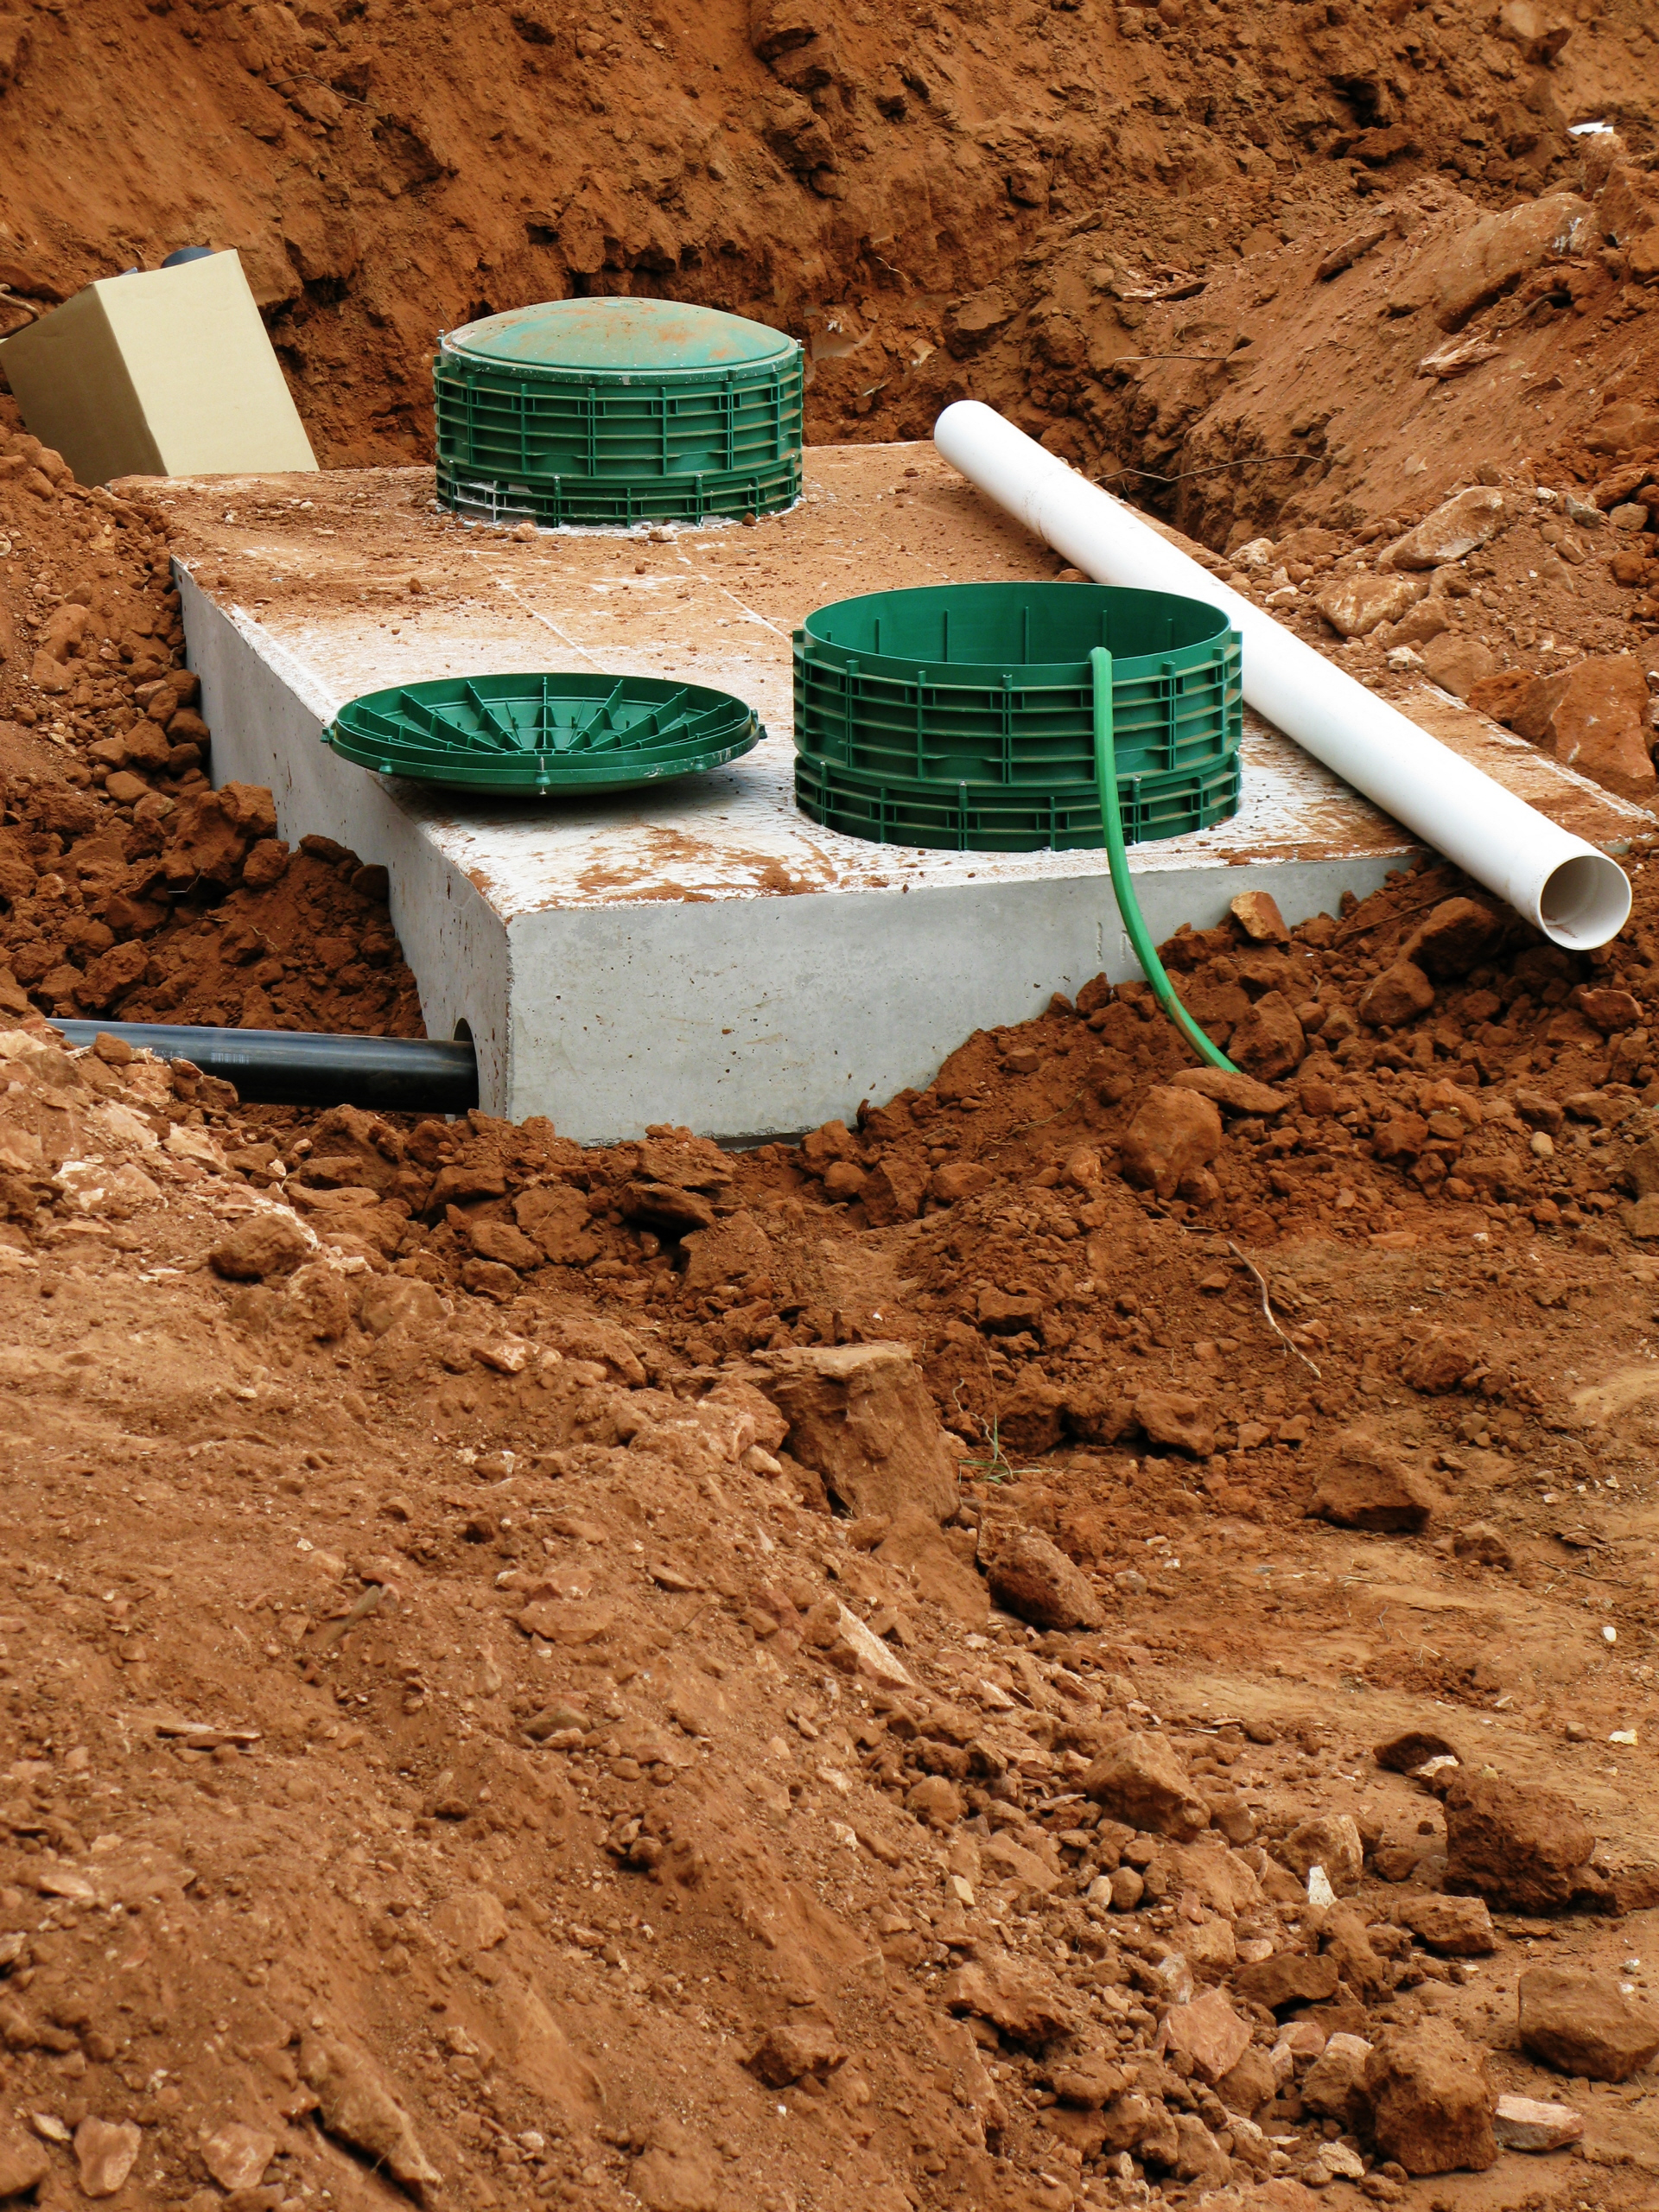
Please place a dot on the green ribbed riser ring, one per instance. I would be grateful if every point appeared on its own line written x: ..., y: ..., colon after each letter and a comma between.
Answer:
x: 965, y: 712
x: 991, y: 818
x: 616, y: 411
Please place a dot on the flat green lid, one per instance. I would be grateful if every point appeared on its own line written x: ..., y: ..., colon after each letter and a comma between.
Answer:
x: 620, y: 337
x: 546, y: 736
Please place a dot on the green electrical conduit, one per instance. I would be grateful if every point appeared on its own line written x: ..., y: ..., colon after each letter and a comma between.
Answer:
x: 1100, y: 663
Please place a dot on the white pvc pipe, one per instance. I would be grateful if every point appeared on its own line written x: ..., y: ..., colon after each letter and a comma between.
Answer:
x: 1575, y: 894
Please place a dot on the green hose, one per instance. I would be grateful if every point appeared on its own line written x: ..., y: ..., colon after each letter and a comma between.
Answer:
x: 1100, y: 662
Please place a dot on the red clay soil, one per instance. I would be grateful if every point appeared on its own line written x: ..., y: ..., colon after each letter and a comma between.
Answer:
x: 837, y: 171
x: 645, y: 1677
x: 917, y: 1669
x: 127, y: 880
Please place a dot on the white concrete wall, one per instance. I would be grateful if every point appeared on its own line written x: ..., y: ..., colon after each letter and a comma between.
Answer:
x: 756, y: 1017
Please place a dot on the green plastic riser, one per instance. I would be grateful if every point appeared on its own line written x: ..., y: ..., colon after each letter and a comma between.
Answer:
x: 618, y: 412
x: 962, y: 714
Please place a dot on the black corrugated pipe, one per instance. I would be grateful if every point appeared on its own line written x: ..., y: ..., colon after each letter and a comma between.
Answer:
x: 295, y: 1067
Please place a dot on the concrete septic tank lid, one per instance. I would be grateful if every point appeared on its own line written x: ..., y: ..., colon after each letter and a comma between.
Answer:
x: 611, y: 338
x: 700, y: 952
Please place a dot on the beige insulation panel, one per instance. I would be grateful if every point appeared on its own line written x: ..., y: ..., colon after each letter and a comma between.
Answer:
x: 163, y: 372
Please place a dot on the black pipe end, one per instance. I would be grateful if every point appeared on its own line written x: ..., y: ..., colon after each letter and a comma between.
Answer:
x: 297, y: 1067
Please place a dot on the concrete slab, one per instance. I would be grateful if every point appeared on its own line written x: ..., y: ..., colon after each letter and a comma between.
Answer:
x: 701, y: 953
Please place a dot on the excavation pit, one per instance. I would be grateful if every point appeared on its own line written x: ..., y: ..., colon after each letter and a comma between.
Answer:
x: 701, y: 953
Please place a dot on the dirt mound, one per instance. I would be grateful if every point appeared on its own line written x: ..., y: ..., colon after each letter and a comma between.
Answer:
x: 845, y: 175
x: 129, y: 887
x: 489, y: 1721
x: 1352, y: 377
x: 1423, y: 1068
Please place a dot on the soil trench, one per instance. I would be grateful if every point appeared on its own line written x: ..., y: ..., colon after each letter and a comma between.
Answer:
x: 1084, y: 1638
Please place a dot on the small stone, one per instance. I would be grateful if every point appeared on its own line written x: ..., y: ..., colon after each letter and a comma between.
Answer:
x: 1593, y: 716
x: 107, y: 2152
x: 957, y: 1179
x: 1006, y: 1860
x: 796, y: 2047
x: 843, y: 1181
x: 1335, y: 2084
x: 1331, y: 1841
x: 266, y: 864
x: 269, y: 1244
x: 1344, y: 1936
x: 354, y: 2104
x: 1438, y: 1364
x: 1367, y: 1485
x: 24, y: 2164
x: 1452, y: 937
x: 1031, y: 1579
x: 1005, y: 1313
x: 1014, y: 1995
x: 1458, y: 1927
x: 1140, y: 1780
x: 1528, y: 2124
x: 1209, y: 2032
x: 1583, y: 2024
x: 1458, y: 664
x: 1269, y: 1042
x: 1355, y: 604
x: 1234, y: 1094
x: 236, y: 2155
x: 1199, y: 2158
x: 935, y: 1801
x: 1456, y: 528
x: 869, y: 1655
x: 1257, y: 914
x: 1540, y: 32
x: 1522, y: 1848
x: 1089, y: 2082
x: 1171, y: 1418
x: 1142, y: 2125
x: 893, y: 1190
x: 1609, y: 1011
x: 1250, y: 2083
x: 1287, y: 1977
x: 1482, y: 1544
x: 665, y: 1207
x: 1424, y: 623
x: 860, y: 1417
x: 1126, y: 1888
x: 1173, y: 1132
x: 1398, y: 995
x: 1405, y: 1753
x: 1431, y: 2100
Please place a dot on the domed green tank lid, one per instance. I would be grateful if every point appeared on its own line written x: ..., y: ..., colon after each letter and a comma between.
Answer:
x: 620, y: 337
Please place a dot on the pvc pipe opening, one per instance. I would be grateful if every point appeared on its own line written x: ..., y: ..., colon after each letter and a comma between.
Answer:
x: 1585, y: 902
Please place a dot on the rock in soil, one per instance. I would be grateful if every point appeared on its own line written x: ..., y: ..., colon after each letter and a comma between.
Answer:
x: 1140, y: 1780
x: 1431, y: 2100
x: 1582, y: 2024
x: 1521, y: 1846
x: 1526, y: 2124
x: 1033, y: 1579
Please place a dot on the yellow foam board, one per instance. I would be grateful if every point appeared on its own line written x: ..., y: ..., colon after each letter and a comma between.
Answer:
x: 162, y: 373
